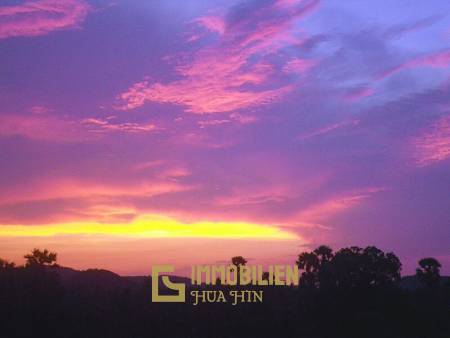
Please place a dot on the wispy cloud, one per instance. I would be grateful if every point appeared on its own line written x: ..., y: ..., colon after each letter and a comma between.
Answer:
x: 51, y: 127
x: 105, y: 125
x: 41, y: 127
x: 321, y: 212
x: 59, y: 199
x: 47, y: 188
x: 40, y: 17
x: 213, y: 23
x: 358, y: 93
x: 298, y: 65
x: 40, y: 110
x: 435, y: 60
x: 434, y: 145
x: 327, y: 129
x: 206, y: 123
x: 402, y: 29
x: 233, y: 117
x: 234, y: 73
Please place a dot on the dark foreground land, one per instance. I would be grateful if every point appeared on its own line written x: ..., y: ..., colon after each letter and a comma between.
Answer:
x: 39, y: 300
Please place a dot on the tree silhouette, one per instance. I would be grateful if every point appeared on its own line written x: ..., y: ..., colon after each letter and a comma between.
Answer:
x: 355, y: 267
x: 351, y: 267
x: 50, y: 302
x: 324, y: 253
x: 381, y: 269
x: 5, y: 264
x: 238, y: 261
x: 324, y: 274
x: 309, y: 262
x: 429, y: 272
x: 40, y: 258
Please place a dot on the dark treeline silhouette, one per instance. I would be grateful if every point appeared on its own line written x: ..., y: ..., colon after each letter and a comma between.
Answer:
x: 349, y: 268
x: 353, y: 292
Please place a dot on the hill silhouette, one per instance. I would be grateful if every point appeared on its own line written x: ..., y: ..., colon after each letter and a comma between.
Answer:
x: 351, y: 293
x: 110, y: 280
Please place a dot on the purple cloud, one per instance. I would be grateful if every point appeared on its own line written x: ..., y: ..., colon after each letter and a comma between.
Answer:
x: 234, y: 72
x: 40, y: 17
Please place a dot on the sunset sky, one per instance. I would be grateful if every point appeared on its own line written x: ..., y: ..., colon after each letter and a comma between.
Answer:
x: 186, y: 132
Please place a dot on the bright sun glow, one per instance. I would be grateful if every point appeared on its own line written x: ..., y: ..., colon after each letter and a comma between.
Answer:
x: 151, y: 227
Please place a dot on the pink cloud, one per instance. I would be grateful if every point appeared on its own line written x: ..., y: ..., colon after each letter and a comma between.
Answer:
x: 233, y: 117
x: 212, y: 23
x: 147, y: 165
x: 74, y: 196
x: 40, y: 110
x: 174, y: 173
x: 232, y: 74
x: 243, y: 119
x: 436, y: 60
x: 327, y: 129
x: 434, y: 145
x: 298, y: 66
x: 47, y: 188
x: 287, y: 3
x: 241, y: 197
x: 194, y: 37
x: 41, y: 127
x: 204, y: 124
x: 358, y: 93
x: 99, y: 125
x: 403, y: 29
x: 45, y: 127
x: 321, y: 212
x: 40, y: 17
x: 199, y: 139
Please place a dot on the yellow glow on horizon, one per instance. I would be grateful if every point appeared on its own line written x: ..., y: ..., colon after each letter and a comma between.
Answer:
x: 151, y: 227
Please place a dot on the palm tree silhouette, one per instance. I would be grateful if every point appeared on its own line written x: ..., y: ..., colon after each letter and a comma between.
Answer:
x: 309, y: 262
x: 238, y: 261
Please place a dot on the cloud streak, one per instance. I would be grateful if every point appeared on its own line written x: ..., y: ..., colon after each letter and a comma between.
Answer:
x: 434, y: 60
x: 105, y: 125
x: 235, y: 72
x: 41, y: 127
x: 40, y: 17
x: 433, y: 146
x: 50, y: 127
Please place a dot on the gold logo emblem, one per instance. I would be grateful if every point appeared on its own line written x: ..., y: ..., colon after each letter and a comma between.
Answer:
x: 180, y: 287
